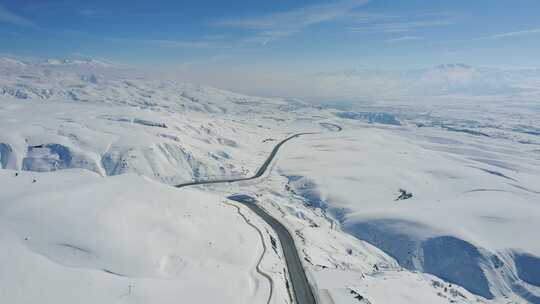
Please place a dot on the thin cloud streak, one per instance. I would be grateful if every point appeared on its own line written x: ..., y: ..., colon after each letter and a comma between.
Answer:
x: 498, y: 36
x: 11, y: 18
x: 181, y: 44
x: 403, y: 39
x: 515, y: 34
x: 400, y: 27
x: 173, y: 44
x: 276, y: 26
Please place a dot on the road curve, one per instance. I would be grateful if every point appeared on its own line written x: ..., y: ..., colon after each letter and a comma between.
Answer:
x: 257, y: 174
x: 300, y: 285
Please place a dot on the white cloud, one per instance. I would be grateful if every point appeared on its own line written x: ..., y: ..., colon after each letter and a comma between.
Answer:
x: 514, y: 34
x: 181, y: 44
x: 264, y: 37
x: 94, y: 13
x: 8, y: 17
x: 298, y: 18
x: 400, y: 27
x: 403, y: 39
x: 174, y: 44
x: 505, y: 35
x: 279, y: 25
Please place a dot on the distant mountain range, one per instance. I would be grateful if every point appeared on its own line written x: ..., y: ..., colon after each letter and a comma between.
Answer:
x: 455, y: 79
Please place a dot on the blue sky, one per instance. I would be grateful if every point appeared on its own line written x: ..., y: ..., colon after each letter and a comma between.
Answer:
x: 321, y: 35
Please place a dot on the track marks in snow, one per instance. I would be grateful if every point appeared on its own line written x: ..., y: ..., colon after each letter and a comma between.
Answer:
x: 258, y: 266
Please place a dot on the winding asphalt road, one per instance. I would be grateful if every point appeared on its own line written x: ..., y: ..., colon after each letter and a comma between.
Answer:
x: 258, y: 174
x: 300, y: 285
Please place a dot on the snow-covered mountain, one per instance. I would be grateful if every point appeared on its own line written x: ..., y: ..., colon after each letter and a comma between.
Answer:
x: 77, y: 62
x: 427, y: 84
x: 112, y: 125
x: 89, y: 152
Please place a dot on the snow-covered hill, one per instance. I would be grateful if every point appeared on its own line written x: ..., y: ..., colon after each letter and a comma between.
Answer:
x: 73, y: 236
x: 473, y: 212
x: 88, y: 151
x: 53, y: 118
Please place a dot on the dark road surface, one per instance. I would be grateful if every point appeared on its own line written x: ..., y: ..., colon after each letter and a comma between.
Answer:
x: 258, y: 174
x: 301, y: 289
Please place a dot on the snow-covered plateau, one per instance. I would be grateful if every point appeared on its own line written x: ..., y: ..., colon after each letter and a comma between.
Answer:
x: 431, y: 203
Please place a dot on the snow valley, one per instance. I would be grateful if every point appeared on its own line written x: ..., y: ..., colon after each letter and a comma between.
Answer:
x: 385, y: 203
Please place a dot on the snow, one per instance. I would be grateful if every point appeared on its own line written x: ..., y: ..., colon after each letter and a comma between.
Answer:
x: 73, y: 233
x: 461, y: 213
x: 397, y: 287
x: 89, y: 152
x: 431, y: 85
